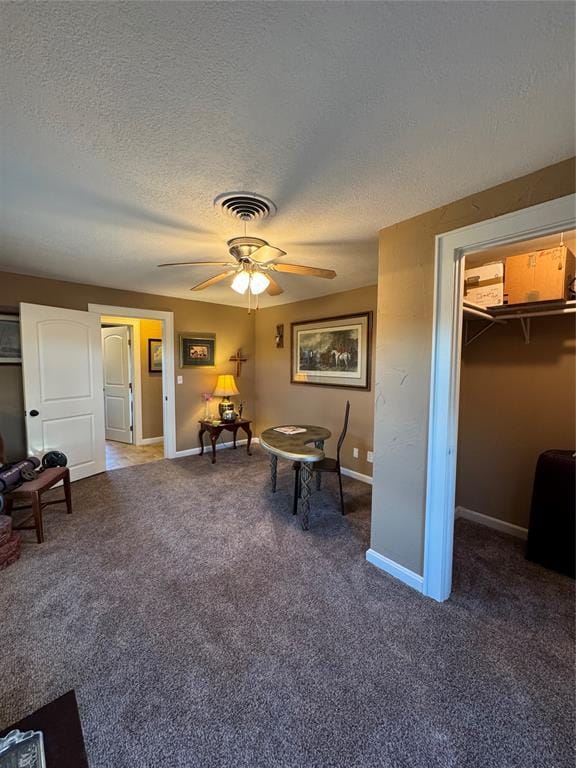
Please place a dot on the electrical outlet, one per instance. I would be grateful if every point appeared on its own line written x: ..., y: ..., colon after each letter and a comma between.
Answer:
x: 355, y: 452
x: 370, y: 456
x: 180, y: 379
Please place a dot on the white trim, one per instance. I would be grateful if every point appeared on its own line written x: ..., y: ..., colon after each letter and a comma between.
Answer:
x: 492, y: 522
x: 539, y: 220
x: 208, y: 449
x: 168, y: 366
x: 356, y: 475
x: 395, y: 569
x: 151, y: 440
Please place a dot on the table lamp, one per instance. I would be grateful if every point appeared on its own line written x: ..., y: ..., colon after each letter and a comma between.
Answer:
x: 225, y: 386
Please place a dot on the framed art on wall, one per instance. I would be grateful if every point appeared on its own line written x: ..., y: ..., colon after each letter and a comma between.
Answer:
x: 10, y: 352
x: 332, y: 352
x: 197, y: 350
x: 155, y: 355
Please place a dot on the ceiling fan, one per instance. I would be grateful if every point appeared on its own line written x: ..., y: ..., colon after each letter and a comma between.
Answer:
x: 252, y: 259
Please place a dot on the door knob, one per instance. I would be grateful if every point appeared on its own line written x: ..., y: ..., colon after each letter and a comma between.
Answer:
x: 34, y: 413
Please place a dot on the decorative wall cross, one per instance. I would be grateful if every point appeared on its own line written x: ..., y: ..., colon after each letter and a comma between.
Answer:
x: 238, y: 359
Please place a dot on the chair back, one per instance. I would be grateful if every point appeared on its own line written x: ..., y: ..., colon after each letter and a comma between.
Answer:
x: 344, y: 430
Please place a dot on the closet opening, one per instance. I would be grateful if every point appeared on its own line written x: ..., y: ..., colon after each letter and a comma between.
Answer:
x: 515, y: 472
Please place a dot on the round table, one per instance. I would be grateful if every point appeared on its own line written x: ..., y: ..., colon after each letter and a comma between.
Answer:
x: 304, y: 447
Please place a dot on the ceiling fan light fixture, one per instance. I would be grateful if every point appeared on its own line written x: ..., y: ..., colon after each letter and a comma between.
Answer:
x: 241, y: 282
x: 258, y: 283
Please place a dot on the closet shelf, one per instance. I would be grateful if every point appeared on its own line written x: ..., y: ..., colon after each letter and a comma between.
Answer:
x: 522, y: 312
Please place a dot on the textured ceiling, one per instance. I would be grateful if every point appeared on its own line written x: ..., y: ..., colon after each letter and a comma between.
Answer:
x: 122, y: 121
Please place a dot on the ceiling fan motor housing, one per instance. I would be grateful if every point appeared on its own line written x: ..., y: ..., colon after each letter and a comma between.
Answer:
x: 241, y: 248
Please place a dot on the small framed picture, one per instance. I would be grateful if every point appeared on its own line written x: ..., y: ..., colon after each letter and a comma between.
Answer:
x: 196, y: 350
x: 10, y: 351
x: 155, y: 355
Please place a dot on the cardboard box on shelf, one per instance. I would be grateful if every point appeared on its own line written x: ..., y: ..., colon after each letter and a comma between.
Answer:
x: 484, y: 286
x: 539, y: 275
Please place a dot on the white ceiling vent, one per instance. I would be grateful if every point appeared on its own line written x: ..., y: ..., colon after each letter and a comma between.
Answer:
x: 245, y: 206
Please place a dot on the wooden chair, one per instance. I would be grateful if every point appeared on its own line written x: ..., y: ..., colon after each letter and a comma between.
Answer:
x: 32, y: 491
x: 326, y: 465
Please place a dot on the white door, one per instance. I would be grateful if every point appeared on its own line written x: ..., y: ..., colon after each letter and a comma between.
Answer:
x: 117, y: 387
x: 62, y: 373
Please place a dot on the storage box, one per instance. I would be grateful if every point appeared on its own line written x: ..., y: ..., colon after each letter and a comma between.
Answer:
x: 539, y: 275
x: 484, y: 286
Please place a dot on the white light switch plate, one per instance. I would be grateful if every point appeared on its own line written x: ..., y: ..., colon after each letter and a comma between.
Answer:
x: 355, y: 452
x: 180, y: 379
x: 370, y: 456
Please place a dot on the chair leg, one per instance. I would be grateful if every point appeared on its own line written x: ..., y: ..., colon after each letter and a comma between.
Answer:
x: 296, y: 490
x: 37, y: 512
x: 341, y: 494
x: 68, y: 492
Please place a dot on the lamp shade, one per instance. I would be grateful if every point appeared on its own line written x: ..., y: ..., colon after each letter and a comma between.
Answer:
x: 241, y: 282
x: 225, y: 386
x: 258, y: 283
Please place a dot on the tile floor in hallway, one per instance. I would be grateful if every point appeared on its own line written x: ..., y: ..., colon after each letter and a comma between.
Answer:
x: 119, y: 455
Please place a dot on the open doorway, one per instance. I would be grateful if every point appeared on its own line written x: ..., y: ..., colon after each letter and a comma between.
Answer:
x: 546, y: 220
x: 138, y: 417
x: 133, y: 398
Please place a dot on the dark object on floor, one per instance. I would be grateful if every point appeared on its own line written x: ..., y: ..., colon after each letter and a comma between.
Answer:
x: 326, y: 465
x: 552, y: 517
x: 59, y: 722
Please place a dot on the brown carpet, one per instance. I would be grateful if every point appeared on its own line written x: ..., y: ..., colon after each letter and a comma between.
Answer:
x: 200, y: 626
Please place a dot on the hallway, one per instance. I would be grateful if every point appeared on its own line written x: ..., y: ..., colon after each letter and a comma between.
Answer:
x: 119, y: 455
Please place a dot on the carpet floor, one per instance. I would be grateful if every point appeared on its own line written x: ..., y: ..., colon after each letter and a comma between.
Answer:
x: 200, y: 626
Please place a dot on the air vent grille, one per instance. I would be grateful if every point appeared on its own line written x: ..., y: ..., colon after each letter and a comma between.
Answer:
x: 245, y: 205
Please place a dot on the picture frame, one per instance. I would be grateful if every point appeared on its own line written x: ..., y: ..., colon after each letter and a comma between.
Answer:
x: 155, y: 356
x: 10, y: 344
x: 333, y: 351
x: 197, y: 350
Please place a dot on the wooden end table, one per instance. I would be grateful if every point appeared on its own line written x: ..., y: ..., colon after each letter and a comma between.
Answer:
x: 215, y: 429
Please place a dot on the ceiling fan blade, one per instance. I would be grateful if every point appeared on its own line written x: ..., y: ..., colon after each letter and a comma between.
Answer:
x: 213, y: 280
x: 197, y: 264
x: 274, y: 289
x: 266, y: 253
x: 299, y: 269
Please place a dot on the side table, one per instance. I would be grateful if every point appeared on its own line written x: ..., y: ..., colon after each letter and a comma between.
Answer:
x: 214, y: 430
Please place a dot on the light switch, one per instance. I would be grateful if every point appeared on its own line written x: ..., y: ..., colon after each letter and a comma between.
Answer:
x: 180, y: 379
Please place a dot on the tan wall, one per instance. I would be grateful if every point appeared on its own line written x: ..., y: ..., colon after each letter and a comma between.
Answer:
x: 516, y: 400
x: 233, y: 327
x: 152, y: 406
x: 403, y: 347
x: 280, y: 402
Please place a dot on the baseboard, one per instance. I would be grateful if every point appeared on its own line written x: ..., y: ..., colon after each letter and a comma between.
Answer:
x: 396, y: 570
x: 356, y: 475
x: 492, y: 522
x: 151, y: 440
x: 208, y: 449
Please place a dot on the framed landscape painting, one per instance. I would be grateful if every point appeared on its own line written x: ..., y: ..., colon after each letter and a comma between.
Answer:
x: 334, y: 352
x: 197, y: 351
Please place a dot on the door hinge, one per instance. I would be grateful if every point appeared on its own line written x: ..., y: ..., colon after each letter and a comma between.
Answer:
x: 130, y: 386
x: 131, y: 428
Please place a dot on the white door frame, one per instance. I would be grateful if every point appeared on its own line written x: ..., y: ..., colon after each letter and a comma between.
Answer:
x: 539, y: 220
x: 168, y: 366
